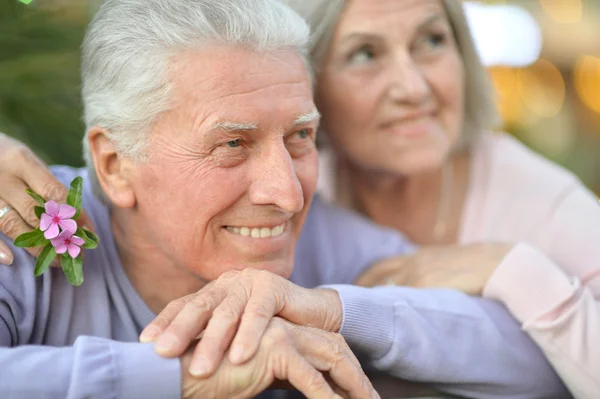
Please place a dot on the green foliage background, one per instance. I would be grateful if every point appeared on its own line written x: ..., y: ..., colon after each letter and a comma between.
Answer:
x: 39, y: 77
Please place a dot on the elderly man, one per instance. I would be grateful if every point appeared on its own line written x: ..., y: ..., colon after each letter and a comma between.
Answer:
x: 201, y: 128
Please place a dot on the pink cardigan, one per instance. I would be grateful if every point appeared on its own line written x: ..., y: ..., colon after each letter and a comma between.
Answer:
x: 517, y: 196
x: 550, y: 281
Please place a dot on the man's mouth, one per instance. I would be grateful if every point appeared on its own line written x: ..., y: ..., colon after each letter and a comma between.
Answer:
x: 258, y: 232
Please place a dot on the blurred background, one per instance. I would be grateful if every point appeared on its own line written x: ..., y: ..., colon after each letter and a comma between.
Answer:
x: 543, y: 57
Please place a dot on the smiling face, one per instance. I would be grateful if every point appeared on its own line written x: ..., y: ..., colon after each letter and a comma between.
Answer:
x: 233, y: 165
x: 391, y: 86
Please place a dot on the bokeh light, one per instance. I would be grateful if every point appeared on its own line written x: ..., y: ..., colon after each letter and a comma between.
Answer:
x: 542, y: 88
x: 563, y: 11
x: 587, y: 81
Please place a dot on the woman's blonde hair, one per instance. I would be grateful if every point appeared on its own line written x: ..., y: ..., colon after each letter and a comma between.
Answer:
x: 480, y: 107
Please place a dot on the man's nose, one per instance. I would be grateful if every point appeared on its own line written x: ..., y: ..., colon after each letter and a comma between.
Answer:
x: 275, y: 181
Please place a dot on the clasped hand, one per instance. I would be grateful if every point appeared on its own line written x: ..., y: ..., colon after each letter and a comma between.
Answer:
x: 268, y: 329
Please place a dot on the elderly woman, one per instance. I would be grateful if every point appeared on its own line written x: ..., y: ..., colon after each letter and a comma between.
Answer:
x: 406, y: 110
x: 209, y: 173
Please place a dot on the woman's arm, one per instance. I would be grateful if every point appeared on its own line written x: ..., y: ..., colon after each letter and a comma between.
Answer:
x: 557, y: 297
x: 460, y: 344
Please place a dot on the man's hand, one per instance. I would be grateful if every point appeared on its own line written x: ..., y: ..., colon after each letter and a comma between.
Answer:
x: 463, y: 268
x: 238, y: 304
x: 20, y: 168
x: 317, y: 363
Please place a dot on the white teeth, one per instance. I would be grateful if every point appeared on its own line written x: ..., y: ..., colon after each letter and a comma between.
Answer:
x: 256, y: 232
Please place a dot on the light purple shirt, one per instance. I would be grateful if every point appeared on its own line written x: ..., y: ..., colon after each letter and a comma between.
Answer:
x: 58, y: 341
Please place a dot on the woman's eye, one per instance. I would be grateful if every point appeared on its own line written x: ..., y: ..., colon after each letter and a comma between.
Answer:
x: 233, y: 143
x: 430, y: 41
x: 436, y: 39
x: 361, y: 56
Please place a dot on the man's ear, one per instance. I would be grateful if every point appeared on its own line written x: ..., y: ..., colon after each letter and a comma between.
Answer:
x: 113, y: 169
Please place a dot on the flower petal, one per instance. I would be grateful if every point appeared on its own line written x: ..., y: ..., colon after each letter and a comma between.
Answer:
x: 52, y: 232
x: 66, y: 211
x: 77, y: 240
x: 57, y: 242
x: 51, y: 208
x: 65, y: 234
x: 68, y: 225
x: 45, y: 221
x: 74, y: 251
x: 61, y: 249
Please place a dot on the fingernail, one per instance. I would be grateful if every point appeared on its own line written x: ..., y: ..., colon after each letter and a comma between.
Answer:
x: 149, y: 334
x: 5, y: 259
x: 199, y: 366
x: 236, y: 356
x: 166, y: 343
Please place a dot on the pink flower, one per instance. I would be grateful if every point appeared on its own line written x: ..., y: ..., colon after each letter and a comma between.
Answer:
x: 66, y: 241
x: 55, y: 216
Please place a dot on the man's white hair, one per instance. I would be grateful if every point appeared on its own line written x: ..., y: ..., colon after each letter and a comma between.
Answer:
x: 128, y: 45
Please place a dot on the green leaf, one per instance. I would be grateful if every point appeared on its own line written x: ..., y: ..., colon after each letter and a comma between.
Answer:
x: 91, y: 240
x: 36, y: 196
x: 75, y: 196
x: 91, y: 235
x: 31, y: 239
x: 43, y: 261
x: 38, y: 211
x: 72, y: 268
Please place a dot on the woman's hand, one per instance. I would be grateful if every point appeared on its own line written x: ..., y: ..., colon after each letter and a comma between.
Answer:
x: 20, y: 168
x: 238, y: 307
x: 317, y: 363
x: 463, y: 268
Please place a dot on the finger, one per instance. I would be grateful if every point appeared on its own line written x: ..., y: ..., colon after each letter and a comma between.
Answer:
x: 13, y: 193
x: 11, y: 224
x: 335, y: 387
x: 304, y: 377
x: 218, y: 335
x: 38, y: 177
x: 6, y: 256
x: 190, y: 321
x: 258, y: 313
x: 329, y: 352
x: 163, y: 319
x: 377, y: 274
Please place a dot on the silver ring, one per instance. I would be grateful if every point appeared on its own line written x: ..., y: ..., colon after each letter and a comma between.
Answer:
x: 4, y: 211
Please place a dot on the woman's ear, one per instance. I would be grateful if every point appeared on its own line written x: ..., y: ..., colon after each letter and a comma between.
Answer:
x: 112, y: 168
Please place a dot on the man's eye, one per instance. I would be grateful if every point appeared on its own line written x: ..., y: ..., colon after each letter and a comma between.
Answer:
x: 303, y: 134
x: 233, y: 143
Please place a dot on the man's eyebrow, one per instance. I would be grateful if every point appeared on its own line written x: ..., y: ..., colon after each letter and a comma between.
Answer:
x: 307, y: 118
x: 234, y: 126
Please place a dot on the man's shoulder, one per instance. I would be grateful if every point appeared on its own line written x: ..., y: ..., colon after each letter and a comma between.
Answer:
x: 21, y: 294
x: 336, y: 222
x: 35, y: 307
x: 338, y: 244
